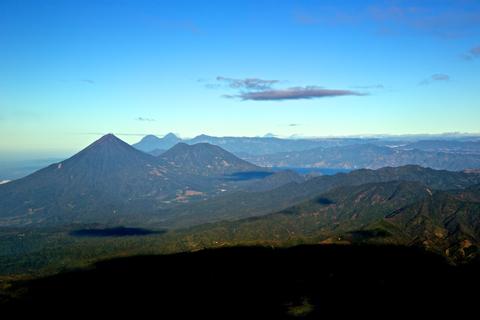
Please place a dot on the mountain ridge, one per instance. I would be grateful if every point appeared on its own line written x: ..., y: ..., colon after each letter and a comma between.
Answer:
x: 394, y: 212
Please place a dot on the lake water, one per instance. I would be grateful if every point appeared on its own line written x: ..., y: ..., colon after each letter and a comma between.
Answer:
x: 323, y: 171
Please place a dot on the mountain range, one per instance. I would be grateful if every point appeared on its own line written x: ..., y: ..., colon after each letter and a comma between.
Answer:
x: 151, y: 143
x: 346, y: 153
x: 368, y: 156
x: 311, y: 155
x: 110, y: 180
x: 240, y: 145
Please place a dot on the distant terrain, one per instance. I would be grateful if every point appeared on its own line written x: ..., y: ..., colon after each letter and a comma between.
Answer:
x: 345, y: 153
x: 450, y: 152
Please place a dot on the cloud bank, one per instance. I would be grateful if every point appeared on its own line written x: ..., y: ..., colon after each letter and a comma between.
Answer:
x: 263, y: 90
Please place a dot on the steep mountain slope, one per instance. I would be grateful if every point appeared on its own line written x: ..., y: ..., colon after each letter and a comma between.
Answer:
x: 205, y: 159
x: 443, y: 222
x: 150, y: 143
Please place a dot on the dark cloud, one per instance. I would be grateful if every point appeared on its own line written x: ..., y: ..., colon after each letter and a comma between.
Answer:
x: 295, y: 93
x: 435, y: 77
x: 247, y: 83
x: 144, y: 119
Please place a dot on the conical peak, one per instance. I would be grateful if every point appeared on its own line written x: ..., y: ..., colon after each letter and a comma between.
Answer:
x: 108, y: 138
x: 108, y: 142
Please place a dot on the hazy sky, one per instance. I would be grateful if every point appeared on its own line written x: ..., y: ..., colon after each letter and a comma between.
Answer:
x: 71, y: 70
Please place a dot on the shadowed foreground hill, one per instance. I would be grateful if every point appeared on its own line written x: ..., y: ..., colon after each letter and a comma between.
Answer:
x: 307, y: 282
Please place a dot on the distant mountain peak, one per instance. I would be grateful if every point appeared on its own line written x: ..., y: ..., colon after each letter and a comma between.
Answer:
x: 171, y: 135
x: 150, y: 137
x: 109, y: 137
x: 151, y: 142
x: 270, y: 135
x: 203, y: 136
x: 107, y: 140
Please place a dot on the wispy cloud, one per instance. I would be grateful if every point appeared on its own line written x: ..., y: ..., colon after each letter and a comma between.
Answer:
x: 295, y: 93
x: 395, y: 17
x: 162, y: 22
x: 304, y: 18
x: 436, y: 78
x: 375, y: 86
x: 294, y: 124
x: 144, y: 119
x: 89, y: 81
x: 247, y: 83
x: 472, y: 53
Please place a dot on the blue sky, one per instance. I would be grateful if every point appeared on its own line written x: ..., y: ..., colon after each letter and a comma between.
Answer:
x: 72, y: 70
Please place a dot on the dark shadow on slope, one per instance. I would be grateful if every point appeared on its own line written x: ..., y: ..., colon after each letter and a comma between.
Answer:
x: 324, y: 201
x: 362, y: 235
x: 114, y: 232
